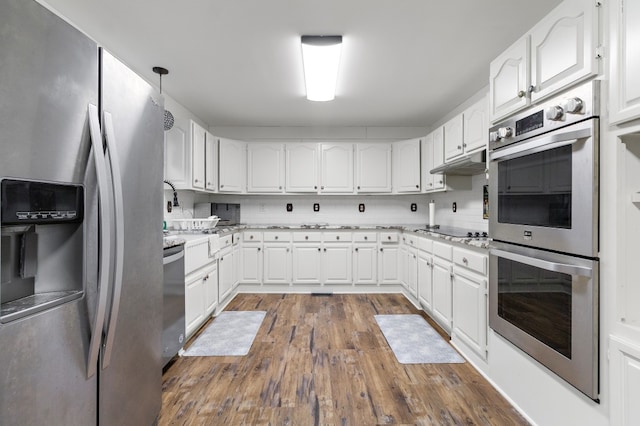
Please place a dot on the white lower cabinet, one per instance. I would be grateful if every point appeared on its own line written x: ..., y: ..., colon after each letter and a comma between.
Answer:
x: 388, y: 257
x: 194, y: 308
x: 306, y: 263
x: 226, y: 275
x: 470, y: 299
x: 365, y: 256
x: 410, y: 269
x: 336, y: 263
x: 442, y: 285
x: 425, y: 280
x: 276, y: 263
x: 210, y: 281
x: 251, y: 264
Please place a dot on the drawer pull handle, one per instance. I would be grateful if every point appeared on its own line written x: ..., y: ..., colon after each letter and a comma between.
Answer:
x: 366, y: 238
x: 306, y: 237
x: 337, y: 237
x: 276, y: 237
x: 465, y: 261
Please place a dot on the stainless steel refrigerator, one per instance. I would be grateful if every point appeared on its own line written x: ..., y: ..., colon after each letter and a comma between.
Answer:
x: 81, y: 154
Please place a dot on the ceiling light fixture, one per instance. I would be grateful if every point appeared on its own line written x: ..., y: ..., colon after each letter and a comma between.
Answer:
x: 168, y: 117
x: 321, y: 57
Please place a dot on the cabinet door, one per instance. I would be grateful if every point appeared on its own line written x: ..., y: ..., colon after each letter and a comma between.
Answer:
x: 442, y: 293
x: 211, y: 162
x: 336, y: 263
x: 624, y: 66
x: 232, y: 164
x: 438, y: 158
x: 265, y: 164
x: 211, y: 288
x: 476, y: 126
x: 225, y: 276
x: 453, y: 135
x: 194, y: 303
x: 509, y: 80
x: 306, y: 264
x: 251, y: 264
x: 411, y: 271
x: 337, y: 168
x: 563, y: 47
x: 406, y: 166
x: 388, y: 265
x: 373, y: 167
x: 365, y: 264
x: 198, y: 155
x: 177, y: 158
x: 470, y: 311
x: 425, y: 283
x: 301, y: 165
x: 277, y: 264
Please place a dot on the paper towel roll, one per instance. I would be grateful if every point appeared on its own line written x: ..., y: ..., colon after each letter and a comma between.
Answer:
x: 432, y: 214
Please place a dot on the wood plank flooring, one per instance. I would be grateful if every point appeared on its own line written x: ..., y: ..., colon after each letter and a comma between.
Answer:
x: 322, y: 360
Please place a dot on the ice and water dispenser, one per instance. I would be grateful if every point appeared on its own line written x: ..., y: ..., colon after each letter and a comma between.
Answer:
x: 42, y: 246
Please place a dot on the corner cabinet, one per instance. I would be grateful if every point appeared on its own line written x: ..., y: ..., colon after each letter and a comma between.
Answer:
x: 232, y: 165
x: 373, y: 167
x: 406, y: 166
x: 265, y: 167
x: 562, y: 49
x: 624, y: 89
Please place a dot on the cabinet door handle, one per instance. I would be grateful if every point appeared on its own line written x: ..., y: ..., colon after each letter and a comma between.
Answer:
x: 259, y: 249
x: 319, y: 249
x: 356, y: 248
x: 337, y: 237
x: 380, y: 249
x: 366, y: 238
x: 322, y: 187
x: 417, y: 186
x: 325, y: 250
x: 358, y: 187
x: 221, y: 186
x: 315, y: 187
x: 276, y: 237
x: 465, y: 260
x: 288, y: 250
x: 196, y: 181
x: 459, y: 147
x: 306, y: 237
x: 208, y: 183
x: 389, y: 237
x: 251, y: 237
x: 279, y: 187
x: 521, y: 94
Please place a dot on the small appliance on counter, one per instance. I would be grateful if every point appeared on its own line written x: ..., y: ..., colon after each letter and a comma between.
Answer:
x: 229, y: 214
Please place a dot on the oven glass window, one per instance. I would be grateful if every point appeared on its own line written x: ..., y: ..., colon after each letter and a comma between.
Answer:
x: 537, y: 301
x: 536, y: 189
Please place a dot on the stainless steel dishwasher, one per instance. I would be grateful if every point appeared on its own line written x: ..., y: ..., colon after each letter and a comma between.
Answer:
x: 173, y: 332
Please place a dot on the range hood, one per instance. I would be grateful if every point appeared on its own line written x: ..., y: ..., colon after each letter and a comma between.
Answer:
x: 472, y: 164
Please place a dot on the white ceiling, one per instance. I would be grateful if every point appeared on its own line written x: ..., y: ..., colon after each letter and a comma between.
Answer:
x: 238, y: 62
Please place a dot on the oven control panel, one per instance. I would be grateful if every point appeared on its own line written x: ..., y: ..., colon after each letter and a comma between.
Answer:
x: 574, y: 105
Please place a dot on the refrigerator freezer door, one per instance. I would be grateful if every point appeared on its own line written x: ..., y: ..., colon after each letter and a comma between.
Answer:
x: 130, y: 386
x: 48, y: 76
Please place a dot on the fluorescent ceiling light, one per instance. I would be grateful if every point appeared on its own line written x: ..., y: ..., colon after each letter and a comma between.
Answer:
x: 321, y: 57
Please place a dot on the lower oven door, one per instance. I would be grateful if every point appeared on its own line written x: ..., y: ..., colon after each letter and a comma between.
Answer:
x: 547, y: 305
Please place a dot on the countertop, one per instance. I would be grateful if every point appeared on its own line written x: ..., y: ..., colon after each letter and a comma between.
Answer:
x: 174, y: 237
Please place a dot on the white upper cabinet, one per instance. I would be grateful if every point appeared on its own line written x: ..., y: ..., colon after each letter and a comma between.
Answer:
x: 563, y: 47
x: 301, y: 167
x: 453, y: 135
x: 557, y: 52
x: 624, y: 89
x: 198, y: 155
x: 431, y: 182
x: 265, y: 167
x: 476, y: 126
x: 373, y: 167
x: 337, y: 167
x: 211, y: 162
x: 509, y: 80
x: 177, y: 158
x: 406, y: 166
x: 233, y: 165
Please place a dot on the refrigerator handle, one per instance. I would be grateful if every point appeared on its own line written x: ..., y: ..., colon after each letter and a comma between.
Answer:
x: 119, y: 230
x: 106, y: 219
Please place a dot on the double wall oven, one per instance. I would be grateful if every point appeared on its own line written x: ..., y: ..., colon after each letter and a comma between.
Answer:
x: 543, y: 198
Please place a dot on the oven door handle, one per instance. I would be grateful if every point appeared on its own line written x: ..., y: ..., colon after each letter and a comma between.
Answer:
x: 544, y: 264
x: 541, y: 144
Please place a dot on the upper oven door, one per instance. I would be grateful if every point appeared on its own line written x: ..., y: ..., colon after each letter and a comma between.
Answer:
x: 543, y: 191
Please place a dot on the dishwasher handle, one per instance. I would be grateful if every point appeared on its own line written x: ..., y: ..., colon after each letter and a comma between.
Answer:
x: 172, y: 257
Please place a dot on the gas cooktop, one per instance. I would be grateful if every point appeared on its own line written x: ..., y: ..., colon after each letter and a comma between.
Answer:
x: 452, y: 231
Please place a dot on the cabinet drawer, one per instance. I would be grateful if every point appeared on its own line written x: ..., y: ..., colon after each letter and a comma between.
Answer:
x: 471, y: 260
x: 442, y: 250
x: 425, y: 244
x: 251, y: 236
x: 364, y: 237
x: 226, y: 241
x: 311, y: 237
x: 389, y: 237
x: 196, y: 255
x: 277, y: 237
x: 334, y: 237
x: 410, y: 240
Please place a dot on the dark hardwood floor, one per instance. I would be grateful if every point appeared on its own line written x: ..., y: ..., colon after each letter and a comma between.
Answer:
x: 322, y: 360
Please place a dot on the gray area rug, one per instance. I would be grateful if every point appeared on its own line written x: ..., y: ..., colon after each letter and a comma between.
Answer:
x: 414, y: 341
x: 230, y: 334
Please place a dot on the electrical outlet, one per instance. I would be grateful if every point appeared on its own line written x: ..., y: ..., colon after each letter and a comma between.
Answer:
x: 289, y: 207
x: 414, y: 207
x: 454, y: 206
x: 169, y: 206
x: 316, y: 207
x: 361, y: 208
